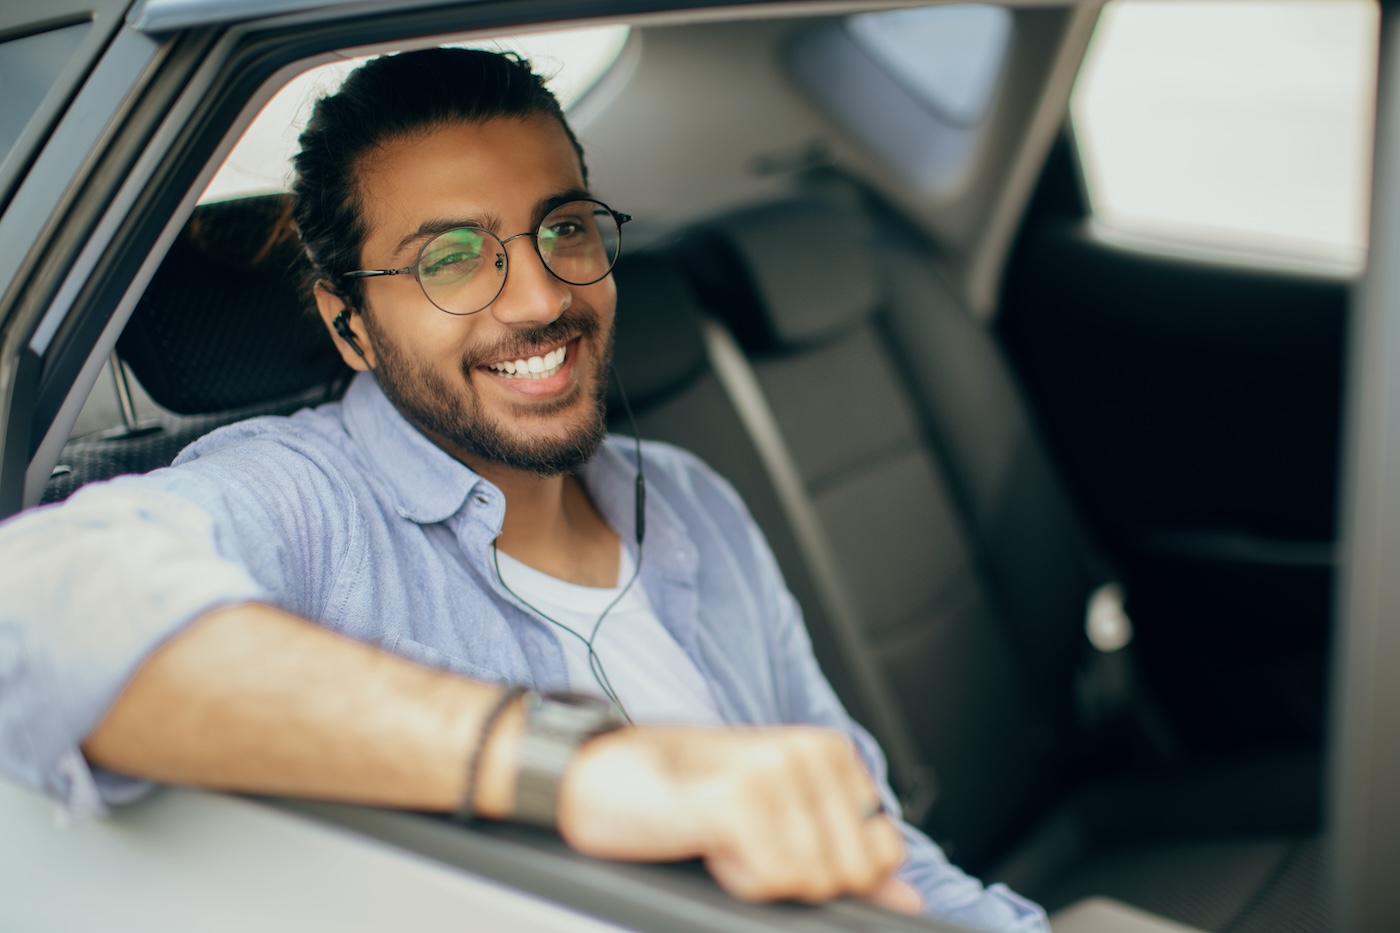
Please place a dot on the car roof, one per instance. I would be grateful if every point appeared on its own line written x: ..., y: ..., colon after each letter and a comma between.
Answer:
x: 160, y: 16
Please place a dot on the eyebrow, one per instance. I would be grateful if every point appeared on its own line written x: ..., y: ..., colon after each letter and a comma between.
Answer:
x: 492, y: 222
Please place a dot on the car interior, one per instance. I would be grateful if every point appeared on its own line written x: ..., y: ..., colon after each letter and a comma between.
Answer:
x: 1061, y: 510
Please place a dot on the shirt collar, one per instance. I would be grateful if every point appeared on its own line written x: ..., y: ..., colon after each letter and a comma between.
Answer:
x: 427, y: 483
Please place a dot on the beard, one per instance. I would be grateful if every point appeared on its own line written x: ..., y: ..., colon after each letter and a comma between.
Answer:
x: 446, y: 413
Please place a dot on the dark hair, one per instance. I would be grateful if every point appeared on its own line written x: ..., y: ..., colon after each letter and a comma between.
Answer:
x: 384, y: 99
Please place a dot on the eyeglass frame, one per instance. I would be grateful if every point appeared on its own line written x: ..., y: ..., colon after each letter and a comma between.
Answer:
x: 618, y: 217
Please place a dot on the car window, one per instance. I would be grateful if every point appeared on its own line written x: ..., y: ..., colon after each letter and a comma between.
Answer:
x: 260, y: 164
x: 261, y: 161
x: 949, y: 57
x: 1237, y: 124
x: 911, y: 85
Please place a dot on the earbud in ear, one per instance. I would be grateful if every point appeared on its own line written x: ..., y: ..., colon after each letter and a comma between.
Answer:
x: 342, y: 327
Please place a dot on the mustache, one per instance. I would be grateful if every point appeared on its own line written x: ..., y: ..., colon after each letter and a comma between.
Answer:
x: 527, y: 343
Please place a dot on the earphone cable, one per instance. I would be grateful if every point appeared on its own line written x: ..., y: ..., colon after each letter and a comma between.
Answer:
x: 595, y: 663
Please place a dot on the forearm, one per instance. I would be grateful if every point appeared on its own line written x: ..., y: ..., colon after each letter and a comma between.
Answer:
x: 250, y: 698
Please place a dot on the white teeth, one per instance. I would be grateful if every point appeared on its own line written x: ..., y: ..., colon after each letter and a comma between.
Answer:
x: 536, y: 367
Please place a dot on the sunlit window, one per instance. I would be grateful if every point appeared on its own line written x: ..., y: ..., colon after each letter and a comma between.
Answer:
x: 261, y: 162
x: 948, y: 56
x: 913, y: 85
x: 1238, y: 124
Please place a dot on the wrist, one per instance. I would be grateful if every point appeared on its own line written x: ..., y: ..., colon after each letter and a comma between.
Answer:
x: 525, y: 743
x: 493, y: 763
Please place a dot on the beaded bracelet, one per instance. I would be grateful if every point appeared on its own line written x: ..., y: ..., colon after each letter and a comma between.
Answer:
x: 464, y: 812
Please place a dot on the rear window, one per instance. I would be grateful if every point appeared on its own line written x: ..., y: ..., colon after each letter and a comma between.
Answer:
x: 1234, y: 124
x: 914, y: 86
x: 261, y: 162
x: 949, y: 57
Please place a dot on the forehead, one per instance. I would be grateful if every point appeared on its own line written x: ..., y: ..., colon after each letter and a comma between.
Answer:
x: 500, y: 168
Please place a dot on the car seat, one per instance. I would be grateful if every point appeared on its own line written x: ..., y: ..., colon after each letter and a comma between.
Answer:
x: 971, y: 576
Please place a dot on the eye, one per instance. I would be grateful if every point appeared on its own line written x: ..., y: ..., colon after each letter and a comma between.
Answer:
x: 566, y: 228
x: 566, y: 235
x: 455, y: 254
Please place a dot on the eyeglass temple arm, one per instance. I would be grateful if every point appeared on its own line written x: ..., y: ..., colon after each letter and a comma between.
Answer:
x: 371, y: 273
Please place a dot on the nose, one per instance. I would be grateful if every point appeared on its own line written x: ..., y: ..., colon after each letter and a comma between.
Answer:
x: 531, y: 295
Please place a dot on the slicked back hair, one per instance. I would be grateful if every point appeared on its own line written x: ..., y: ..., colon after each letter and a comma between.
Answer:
x: 385, y: 99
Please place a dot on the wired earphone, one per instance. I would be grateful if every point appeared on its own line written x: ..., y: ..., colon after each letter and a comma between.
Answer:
x: 341, y: 324
x: 595, y: 663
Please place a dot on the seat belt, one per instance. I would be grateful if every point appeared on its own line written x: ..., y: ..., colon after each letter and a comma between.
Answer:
x: 915, y: 781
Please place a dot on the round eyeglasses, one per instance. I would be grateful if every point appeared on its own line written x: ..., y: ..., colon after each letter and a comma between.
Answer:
x: 463, y: 270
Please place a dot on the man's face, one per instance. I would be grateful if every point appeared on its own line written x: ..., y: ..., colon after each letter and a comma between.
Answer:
x: 441, y: 370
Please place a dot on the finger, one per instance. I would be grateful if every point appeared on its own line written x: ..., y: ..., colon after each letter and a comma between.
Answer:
x: 887, y: 842
x: 850, y: 854
x: 806, y: 840
x: 897, y: 895
x: 762, y: 856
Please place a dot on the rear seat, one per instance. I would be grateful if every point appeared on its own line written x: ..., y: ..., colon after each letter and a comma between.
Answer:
x: 221, y: 333
x: 877, y: 438
x: 970, y: 574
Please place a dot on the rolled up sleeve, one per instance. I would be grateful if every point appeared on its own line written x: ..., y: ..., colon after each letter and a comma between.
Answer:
x: 88, y: 591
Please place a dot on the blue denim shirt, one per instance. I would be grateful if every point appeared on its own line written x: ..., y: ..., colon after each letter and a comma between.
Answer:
x: 347, y: 515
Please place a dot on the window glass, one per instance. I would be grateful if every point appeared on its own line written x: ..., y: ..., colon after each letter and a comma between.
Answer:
x: 28, y: 68
x: 949, y: 56
x: 1241, y: 124
x: 261, y: 162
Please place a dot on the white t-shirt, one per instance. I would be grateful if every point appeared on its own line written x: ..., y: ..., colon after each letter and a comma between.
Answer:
x: 648, y: 670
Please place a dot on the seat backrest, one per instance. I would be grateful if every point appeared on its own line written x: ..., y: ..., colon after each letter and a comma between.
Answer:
x: 1039, y: 559
x: 671, y: 355
x: 224, y: 324
x: 223, y: 332
x: 964, y: 557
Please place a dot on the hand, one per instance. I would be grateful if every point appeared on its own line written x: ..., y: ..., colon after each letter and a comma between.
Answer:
x: 775, y: 813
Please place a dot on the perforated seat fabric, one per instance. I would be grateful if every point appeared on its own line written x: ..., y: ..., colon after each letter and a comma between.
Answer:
x: 223, y: 332
x: 88, y: 459
x: 224, y: 324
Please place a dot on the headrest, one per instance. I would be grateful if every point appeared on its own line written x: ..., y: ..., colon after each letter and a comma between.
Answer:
x: 223, y: 324
x: 659, y: 348
x: 785, y: 273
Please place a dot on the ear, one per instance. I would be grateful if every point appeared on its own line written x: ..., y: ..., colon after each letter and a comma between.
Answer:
x: 331, y: 306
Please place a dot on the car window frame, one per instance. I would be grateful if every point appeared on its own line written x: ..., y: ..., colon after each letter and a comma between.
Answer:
x: 131, y: 157
x: 148, y: 171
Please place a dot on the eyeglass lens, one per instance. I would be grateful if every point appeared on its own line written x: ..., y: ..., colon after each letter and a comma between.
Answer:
x: 463, y: 270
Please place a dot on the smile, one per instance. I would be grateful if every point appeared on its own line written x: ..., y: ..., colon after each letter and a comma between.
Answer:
x: 535, y: 367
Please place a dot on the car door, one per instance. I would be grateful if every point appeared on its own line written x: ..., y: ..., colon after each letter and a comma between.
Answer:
x: 115, y: 154
x: 1192, y: 394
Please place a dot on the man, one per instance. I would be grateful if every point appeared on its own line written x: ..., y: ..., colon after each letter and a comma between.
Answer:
x: 455, y: 509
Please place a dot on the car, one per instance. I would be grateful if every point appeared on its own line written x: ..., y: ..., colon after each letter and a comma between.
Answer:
x: 1091, y: 528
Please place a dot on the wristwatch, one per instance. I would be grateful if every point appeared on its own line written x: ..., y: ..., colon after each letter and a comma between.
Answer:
x: 557, y: 722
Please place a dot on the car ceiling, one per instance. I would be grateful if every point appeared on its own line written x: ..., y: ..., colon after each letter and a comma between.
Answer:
x: 741, y: 109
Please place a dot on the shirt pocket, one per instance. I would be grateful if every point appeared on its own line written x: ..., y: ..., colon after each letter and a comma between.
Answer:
x: 433, y: 657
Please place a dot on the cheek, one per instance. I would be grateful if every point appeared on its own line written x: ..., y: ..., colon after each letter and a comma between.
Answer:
x: 602, y: 298
x: 429, y: 337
